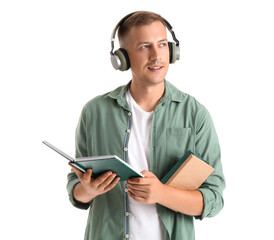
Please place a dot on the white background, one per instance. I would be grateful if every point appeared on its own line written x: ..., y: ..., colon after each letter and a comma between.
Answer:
x: 54, y: 57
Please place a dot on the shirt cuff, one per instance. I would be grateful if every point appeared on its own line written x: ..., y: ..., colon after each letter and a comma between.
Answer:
x: 209, y: 202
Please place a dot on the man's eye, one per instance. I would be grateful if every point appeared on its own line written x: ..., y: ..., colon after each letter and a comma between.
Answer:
x: 163, y: 44
x: 144, y: 47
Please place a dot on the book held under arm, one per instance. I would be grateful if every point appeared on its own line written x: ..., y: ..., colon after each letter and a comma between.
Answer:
x: 100, y: 164
x: 188, y: 173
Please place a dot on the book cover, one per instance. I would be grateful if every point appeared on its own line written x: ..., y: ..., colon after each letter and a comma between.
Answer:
x: 189, y: 173
x: 100, y: 164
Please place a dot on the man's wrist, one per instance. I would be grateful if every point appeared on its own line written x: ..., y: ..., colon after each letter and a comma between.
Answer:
x: 80, y: 194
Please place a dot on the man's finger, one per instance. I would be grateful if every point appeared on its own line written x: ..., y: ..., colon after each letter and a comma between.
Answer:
x: 77, y: 171
x: 138, y: 191
x: 101, y: 178
x: 87, y: 175
x: 135, y: 197
x: 107, y: 181
x: 112, y: 184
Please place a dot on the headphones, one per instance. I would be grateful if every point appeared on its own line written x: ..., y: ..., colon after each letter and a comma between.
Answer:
x: 120, y: 59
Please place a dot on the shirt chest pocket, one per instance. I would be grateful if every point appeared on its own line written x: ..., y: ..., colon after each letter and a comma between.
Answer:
x: 178, y: 141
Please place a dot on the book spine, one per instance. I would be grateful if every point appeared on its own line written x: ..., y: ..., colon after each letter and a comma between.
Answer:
x: 176, y: 166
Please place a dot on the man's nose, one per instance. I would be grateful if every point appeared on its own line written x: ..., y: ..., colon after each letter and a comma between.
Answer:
x: 154, y: 53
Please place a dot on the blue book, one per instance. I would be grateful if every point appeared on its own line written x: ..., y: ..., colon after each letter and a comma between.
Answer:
x: 100, y: 164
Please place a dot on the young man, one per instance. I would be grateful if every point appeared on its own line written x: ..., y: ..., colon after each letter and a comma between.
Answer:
x: 150, y: 124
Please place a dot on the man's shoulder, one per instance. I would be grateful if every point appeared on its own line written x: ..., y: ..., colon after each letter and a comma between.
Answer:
x: 187, y: 105
x: 182, y: 97
x: 105, y: 99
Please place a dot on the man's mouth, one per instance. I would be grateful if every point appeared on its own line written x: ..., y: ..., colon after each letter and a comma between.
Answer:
x: 154, y: 67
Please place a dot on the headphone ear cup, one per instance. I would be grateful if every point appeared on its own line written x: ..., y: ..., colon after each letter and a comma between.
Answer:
x: 122, y: 55
x: 172, y: 52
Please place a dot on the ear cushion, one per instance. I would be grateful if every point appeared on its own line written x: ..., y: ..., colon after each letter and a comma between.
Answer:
x: 172, y: 52
x: 123, y: 56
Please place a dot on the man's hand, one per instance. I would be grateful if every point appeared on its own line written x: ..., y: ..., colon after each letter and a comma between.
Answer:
x: 150, y: 190
x: 90, y: 187
x: 146, y: 190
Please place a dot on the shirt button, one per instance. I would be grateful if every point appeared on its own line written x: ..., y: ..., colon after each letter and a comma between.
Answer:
x: 125, y: 149
x: 128, y: 130
x: 126, y: 236
x: 126, y: 213
x: 129, y: 114
x: 126, y: 190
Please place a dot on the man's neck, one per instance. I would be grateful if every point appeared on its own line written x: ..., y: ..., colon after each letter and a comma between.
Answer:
x: 147, y: 97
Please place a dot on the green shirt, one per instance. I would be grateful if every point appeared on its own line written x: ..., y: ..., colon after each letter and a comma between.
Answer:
x: 179, y: 123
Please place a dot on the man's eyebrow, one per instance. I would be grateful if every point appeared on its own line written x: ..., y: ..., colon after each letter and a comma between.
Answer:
x: 141, y: 43
x: 163, y: 40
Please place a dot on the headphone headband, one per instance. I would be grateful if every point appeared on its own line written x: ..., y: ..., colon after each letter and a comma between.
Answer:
x: 116, y: 28
x: 120, y: 23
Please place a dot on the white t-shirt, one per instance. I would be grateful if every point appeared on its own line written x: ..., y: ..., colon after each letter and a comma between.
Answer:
x: 143, y: 218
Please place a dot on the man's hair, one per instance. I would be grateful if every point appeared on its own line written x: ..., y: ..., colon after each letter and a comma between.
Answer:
x: 136, y: 20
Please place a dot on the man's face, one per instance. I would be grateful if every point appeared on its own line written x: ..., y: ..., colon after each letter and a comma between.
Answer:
x: 148, y: 51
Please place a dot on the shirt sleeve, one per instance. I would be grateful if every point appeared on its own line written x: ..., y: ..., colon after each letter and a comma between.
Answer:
x: 81, y: 151
x: 207, y: 146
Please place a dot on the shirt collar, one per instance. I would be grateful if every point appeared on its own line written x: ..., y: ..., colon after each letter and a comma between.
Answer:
x: 171, y: 94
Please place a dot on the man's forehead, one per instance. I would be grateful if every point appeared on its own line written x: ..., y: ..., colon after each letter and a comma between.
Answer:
x: 154, y: 25
x: 155, y: 29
